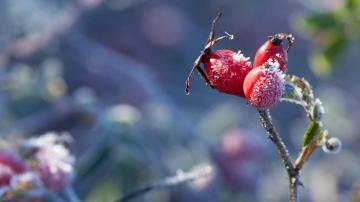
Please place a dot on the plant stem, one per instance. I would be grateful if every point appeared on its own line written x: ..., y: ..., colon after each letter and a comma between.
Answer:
x: 71, y: 195
x: 177, y: 179
x: 293, y: 174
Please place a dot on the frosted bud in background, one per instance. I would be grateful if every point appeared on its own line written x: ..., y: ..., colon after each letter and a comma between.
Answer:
x: 54, y: 165
x: 11, y: 164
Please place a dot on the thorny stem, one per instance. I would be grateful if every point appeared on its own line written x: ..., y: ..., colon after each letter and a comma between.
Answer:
x: 293, y: 174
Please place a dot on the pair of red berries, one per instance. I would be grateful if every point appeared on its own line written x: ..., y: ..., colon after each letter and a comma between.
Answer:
x: 262, y: 85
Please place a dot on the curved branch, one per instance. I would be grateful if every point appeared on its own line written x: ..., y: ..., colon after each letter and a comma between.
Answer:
x: 293, y: 174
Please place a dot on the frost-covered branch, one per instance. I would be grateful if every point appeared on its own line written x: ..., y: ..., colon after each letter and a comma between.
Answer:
x: 294, y: 181
x: 177, y: 179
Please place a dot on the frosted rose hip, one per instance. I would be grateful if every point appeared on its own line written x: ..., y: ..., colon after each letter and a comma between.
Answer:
x: 273, y: 49
x: 226, y: 71
x: 264, y: 86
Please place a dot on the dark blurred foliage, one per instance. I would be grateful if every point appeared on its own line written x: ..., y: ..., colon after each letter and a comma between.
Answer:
x: 111, y: 72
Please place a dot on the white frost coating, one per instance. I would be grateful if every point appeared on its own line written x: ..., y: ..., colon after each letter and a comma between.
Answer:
x: 28, y: 178
x: 54, y: 163
x: 292, y: 93
x: 48, y: 139
x: 240, y: 57
x: 227, y: 71
x: 272, y: 64
x: 320, y: 108
x: 332, y: 146
x: 278, y: 55
x: 267, y: 90
x: 4, y: 169
x: 298, y: 92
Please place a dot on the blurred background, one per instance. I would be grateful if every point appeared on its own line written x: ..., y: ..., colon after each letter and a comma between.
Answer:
x: 112, y: 72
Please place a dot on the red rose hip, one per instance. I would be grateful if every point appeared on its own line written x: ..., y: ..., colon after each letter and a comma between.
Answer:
x: 264, y: 86
x: 274, y: 49
x: 226, y: 71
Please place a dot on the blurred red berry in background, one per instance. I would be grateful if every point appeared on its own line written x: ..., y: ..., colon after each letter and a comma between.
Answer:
x: 10, y: 164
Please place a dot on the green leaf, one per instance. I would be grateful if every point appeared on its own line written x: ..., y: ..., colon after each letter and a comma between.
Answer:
x: 311, y: 133
x: 335, y: 45
x: 326, y: 20
x: 106, y: 189
x: 352, y: 4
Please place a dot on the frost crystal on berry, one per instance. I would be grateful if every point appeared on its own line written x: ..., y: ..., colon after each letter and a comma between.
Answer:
x: 226, y: 71
x: 272, y: 63
x: 272, y: 51
x: 264, y: 86
x: 240, y: 57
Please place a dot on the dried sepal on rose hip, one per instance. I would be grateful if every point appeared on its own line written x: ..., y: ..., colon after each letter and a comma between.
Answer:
x: 274, y: 49
x: 226, y: 71
x: 223, y: 70
x: 264, y: 86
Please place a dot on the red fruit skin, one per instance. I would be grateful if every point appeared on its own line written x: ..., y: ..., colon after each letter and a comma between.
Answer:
x: 226, y: 71
x: 10, y: 164
x: 263, y: 87
x: 270, y: 51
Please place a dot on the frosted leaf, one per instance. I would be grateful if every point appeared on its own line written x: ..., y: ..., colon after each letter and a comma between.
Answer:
x: 308, y: 100
x: 318, y: 110
x: 292, y: 94
x: 305, y: 87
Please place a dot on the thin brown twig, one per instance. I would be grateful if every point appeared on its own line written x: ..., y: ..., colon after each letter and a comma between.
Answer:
x: 293, y: 174
x: 206, y: 51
